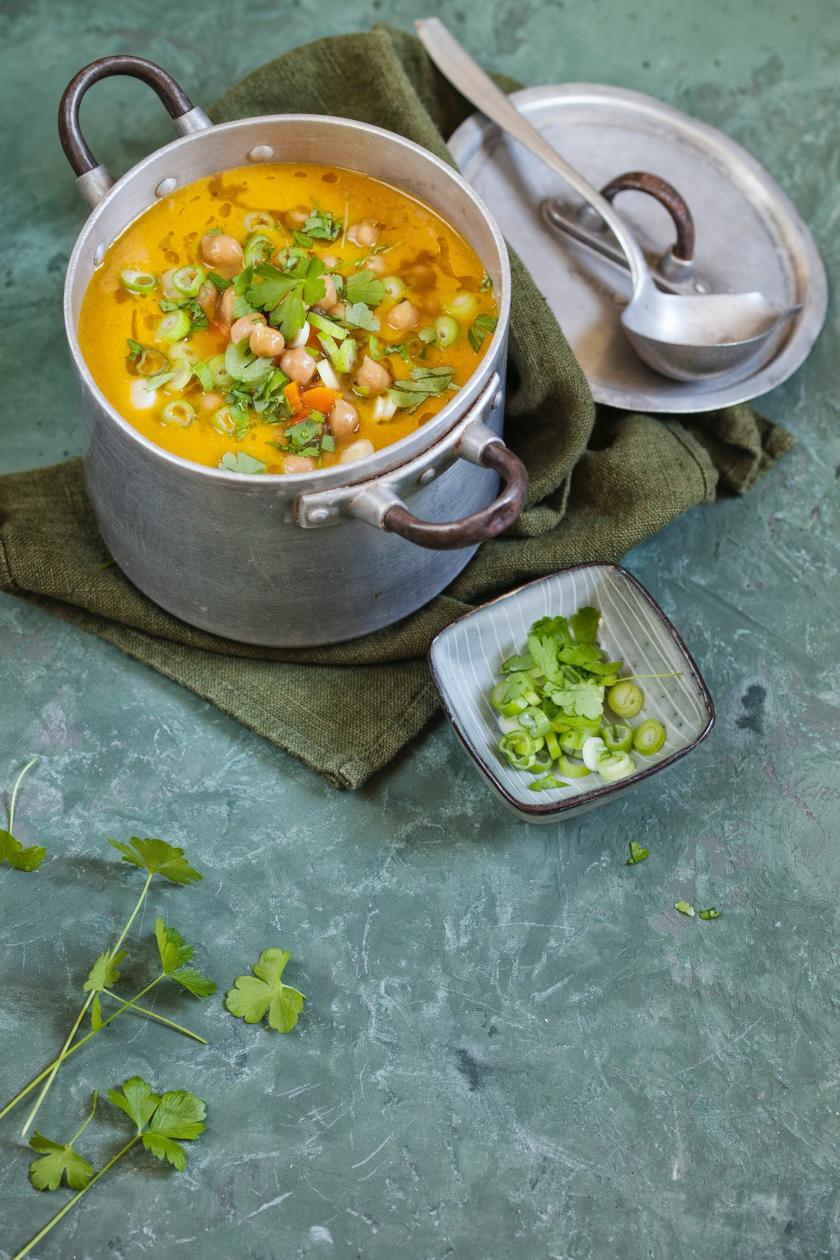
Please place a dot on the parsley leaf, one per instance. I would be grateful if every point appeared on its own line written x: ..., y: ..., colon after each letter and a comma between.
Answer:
x: 175, y: 953
x: 585, y: 624
x: 22, y: 859
x: 321, y: 225
x: 264, y: 993
x: 637, y: 853
x: 585, y: 699
x: 242, y: 462
x: 135, y: 349
x: 59, y: 1160
x: 104, y: 973
x: 481, y: 327
x: 364, y: 286
x: 685, y: 907
x: 358, y: 315
x: 161, y: 1119
x: 158, y: 857
x: 711, y: 913
x: 424, y: 383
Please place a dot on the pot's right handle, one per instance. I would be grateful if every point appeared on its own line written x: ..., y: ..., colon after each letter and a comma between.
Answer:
x: 481, y: 446
x: 92, y: 177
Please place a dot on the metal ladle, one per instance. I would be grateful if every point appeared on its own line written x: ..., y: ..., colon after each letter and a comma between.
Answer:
x: 686, y: 337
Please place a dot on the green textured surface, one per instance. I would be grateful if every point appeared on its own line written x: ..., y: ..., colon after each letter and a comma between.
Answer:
x: 513, y: 1046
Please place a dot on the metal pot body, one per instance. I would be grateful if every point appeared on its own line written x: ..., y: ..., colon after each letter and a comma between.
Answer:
x: 293, y: 561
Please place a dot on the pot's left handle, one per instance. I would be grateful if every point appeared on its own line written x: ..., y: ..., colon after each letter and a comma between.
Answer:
x: 92, y: 178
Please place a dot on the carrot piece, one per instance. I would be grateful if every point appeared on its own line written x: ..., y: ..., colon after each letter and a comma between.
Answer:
x: 319, y: 398
x: 292, y: 393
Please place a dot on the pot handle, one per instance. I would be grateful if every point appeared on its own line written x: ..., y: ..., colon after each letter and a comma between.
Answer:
x: 93, y: 178
x: 380, y: 503
x: 481, y: 446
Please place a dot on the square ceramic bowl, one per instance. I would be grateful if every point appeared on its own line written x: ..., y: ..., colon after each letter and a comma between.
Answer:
x: 465, y: 658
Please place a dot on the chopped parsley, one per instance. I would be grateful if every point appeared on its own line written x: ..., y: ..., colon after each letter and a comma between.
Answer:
x: 359, y: 315
x: 481, y: 328
x: 637, y: 853
x: 685, y: 907
x: 134, y: 349
x: 285, y: 295
x: 241, y: 462
x: 423, y: 384
x: 321, y: 225
x: 307, y: 437
x: 711, y: 913
x: 364, y: 286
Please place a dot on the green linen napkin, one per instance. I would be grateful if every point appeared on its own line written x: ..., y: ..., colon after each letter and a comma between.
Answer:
x: 600, y: 482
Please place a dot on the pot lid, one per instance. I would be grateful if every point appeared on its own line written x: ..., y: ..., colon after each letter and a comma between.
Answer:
x: 747, y: 233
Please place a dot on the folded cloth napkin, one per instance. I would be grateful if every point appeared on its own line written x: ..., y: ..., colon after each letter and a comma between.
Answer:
x: 600, y: 481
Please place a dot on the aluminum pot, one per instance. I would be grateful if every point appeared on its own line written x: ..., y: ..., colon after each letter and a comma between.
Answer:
x: 302, y: 559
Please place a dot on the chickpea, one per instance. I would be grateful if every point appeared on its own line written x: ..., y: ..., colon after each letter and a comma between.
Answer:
x: 403, y: 317
x: 224, y: 311
x: 220, y: 250
x: 267, y: 342
x: 364, y: 233
x: 330, y: 295
x: 337, y: 311
x: 377, y: 264
x: 210, y: 402
x: 344, y: 418
x: 330, y: 261
x: 298, y: 464
x: 298, y: 365
x: 297, y: 217
x: 356, y: 450
x: 243, y: 327
x: 208, y: 296
x: 372, y: 376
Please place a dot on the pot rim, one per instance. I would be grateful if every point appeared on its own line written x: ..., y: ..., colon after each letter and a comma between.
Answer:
x: 382, y: 460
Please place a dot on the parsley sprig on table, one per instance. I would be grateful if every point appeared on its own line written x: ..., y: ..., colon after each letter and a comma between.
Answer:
x: 265, y: 994
x: 155, y: 857
x: 20, y: 857
x: 162, y: 1123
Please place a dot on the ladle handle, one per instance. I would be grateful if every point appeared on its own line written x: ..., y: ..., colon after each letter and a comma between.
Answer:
x: 467, y: 76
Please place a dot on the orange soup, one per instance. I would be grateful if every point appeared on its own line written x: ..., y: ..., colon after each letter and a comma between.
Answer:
x: 283, y: 318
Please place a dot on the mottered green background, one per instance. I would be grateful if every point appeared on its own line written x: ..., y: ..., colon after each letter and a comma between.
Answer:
x: 513, y: 1046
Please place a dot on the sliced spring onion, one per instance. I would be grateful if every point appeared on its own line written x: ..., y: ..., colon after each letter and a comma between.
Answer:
x: 183, y: 353
x: 507, y: 724
x: 141, y: 396
x: 301, y: 338
x: 593, y: 751
x: 571, y: 769
x: 174, y: 326
x: 178, y: 412
x: 572, y: 742
x: 461, y: 305
x: 617, y: 736
x: 394, y: 287
x: 180, y: 378
x: 615, y: 766
x: 327, y: 374
x: 552, y: 747
x: 222, y: 379
x: 151, y: 362
x: 227, y: 421
x: 447, y: 331
x: 167, y: 285
x: 520, y: 749
x: 137, y: 281
x: 345, y: 356
x: 327, y: 326
x: 188, y: 280
x: 534, y: 721
x: 259, y: 221
x: 625, y: 699
x: 546, y: 783
x: 384, y: 408
x: 648, y: 737
x: 257, y: 249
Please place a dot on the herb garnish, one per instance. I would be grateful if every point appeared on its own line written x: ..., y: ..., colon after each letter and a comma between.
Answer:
x: 321, y: 225
x: 11, y: 850
x: 264, y: 993
x: 359, y: 315
x: 241, y: 462
x: 287, y: 294
x: 425, y: 383
x: 364, y: 286
x: 481, y: 328
x: 637, y: 853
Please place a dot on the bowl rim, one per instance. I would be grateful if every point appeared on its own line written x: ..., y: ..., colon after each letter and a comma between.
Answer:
x: 383, y: 460
x: 593, y: 795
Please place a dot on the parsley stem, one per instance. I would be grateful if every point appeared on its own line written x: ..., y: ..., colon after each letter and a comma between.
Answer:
x: 15, y: 789
x: 87, y: 1119
x: 53, y: 1221
x: 66, y: 1047
x: 132, y: 1004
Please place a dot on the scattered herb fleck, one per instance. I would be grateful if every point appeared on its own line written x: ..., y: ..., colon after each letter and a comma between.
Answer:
x: 637, y: 853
